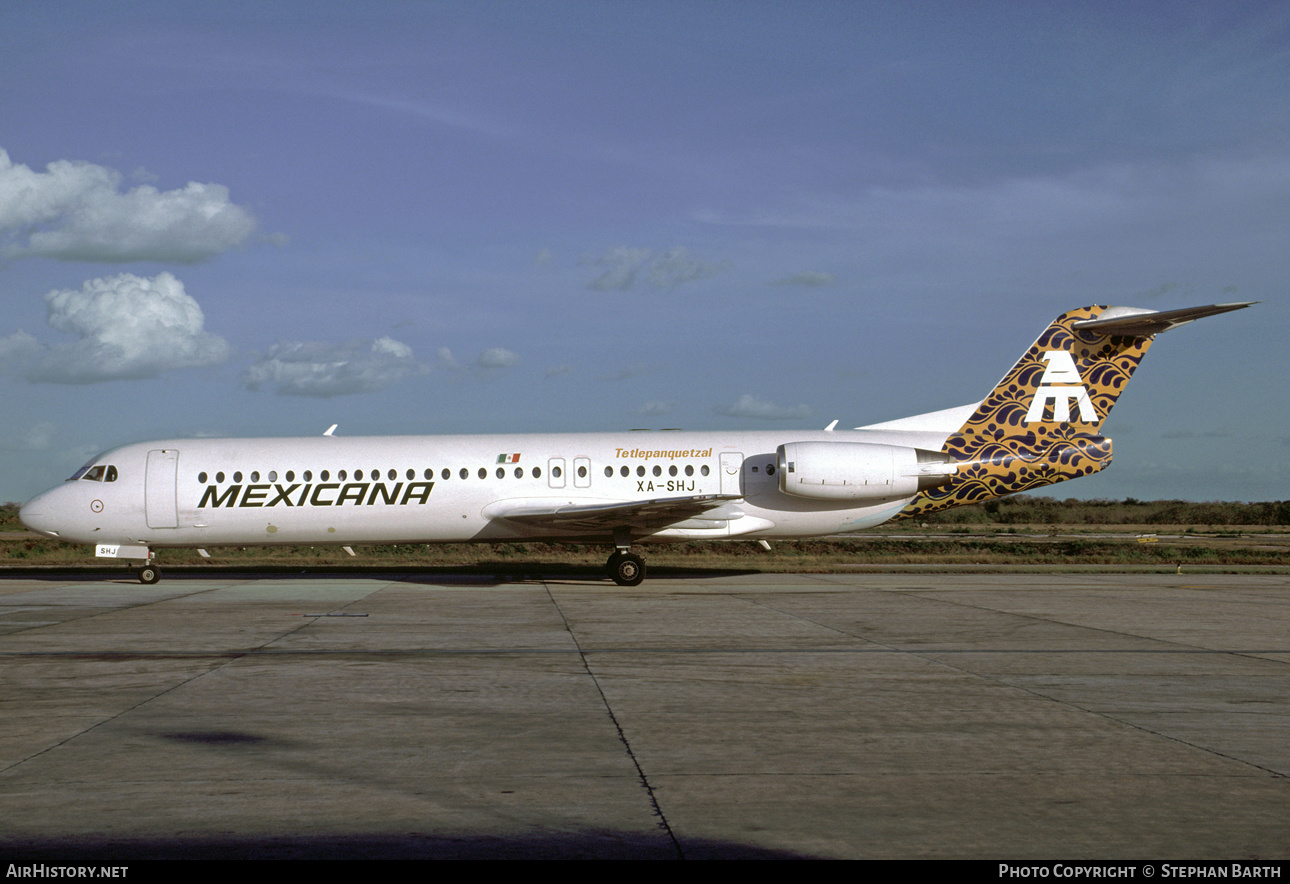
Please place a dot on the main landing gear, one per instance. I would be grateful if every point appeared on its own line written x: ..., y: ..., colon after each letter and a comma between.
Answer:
x: 625, y: 569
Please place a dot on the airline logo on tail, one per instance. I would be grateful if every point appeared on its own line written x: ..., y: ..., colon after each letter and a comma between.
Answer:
x: 1060, y: 385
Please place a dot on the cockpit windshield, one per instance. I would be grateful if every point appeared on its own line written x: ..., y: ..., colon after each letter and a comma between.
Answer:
x: 93, y: 472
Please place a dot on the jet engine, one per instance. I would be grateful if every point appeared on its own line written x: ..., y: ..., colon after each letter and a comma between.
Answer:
x: 859, y: 470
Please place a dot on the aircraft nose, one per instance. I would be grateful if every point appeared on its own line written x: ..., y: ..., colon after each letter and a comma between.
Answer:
x: 36, y: 515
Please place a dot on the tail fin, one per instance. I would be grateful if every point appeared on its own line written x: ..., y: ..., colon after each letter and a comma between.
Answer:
x: 1042, y: 422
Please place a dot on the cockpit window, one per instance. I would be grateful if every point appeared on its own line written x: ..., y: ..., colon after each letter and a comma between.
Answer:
x: 93, y: 472
x: 81, y: 472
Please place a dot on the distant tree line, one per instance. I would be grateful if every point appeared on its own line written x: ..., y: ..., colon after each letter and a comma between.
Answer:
x: 1025, y: 510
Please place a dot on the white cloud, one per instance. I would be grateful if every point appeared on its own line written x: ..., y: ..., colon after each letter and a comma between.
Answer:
x: 750, y: 406
x: 447, y: 360
x: 319, y: 368
x: 75, y: 211
x: 656, y: 408
x: 678, y: 266
x: 497, y: 357
x: 486, y: 363
x: 623, y: 264
x: 628, y: 267
x: 128, y: 327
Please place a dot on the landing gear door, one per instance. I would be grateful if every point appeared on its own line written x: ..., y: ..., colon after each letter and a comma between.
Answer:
x: 732, y: 466
x: 159, y: 488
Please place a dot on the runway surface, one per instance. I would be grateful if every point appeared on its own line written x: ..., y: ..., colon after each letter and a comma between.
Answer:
x: 980, y: 716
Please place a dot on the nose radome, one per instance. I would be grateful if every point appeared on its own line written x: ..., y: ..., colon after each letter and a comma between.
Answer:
x: 36, y: 516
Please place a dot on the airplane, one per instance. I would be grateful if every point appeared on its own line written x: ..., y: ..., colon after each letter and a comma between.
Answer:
x: 1040, y: 425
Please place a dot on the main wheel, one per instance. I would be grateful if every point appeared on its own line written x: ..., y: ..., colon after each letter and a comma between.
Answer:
x: 626, y: 569
x: 149, y: 574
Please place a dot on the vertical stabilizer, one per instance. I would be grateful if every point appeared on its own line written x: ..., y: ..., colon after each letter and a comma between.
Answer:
x: 1043, y: 422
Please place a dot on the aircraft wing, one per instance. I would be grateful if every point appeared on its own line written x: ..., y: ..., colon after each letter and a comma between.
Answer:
x: 638, y: 514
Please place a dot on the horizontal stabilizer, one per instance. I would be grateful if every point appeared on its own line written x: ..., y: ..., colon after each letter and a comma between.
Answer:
x: 1144, y: 323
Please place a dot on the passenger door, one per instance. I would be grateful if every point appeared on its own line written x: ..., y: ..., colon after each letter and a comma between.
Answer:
x: 160, y: 505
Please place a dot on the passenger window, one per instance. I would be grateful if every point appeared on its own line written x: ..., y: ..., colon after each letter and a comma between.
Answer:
x: 519, y: 472
x: 219, y: 477
x: 537, y: 472
x: 308, y: 476
x: 291, y: 475
x: 640, y: 471
x: 483, y: 473
x: 609, y: 471
x: 658, y: 470
x: 501, y: 472
x: 255, y: 475
x: 671, y: 471
x: 412, y: 474
x: 358, y: 475
x: 465, y: 473
x: 689, y: 469
x: 582, y: 472
x: 324, y: 475
x: 341, y: 476
x: 447, y: 473
x: 703, y: 470
x: 273, y: 475
x: 237, y: 476
x: 201, y: 477
x: 624, y: 472
x: 556, y: 471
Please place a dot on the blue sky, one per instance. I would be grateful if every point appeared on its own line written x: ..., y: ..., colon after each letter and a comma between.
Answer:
x: 266, y: 218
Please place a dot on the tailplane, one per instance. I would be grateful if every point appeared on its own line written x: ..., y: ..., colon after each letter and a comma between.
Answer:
x: 1042, y: 423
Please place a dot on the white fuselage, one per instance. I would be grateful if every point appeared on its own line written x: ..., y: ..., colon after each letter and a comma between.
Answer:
x: 425, y: 489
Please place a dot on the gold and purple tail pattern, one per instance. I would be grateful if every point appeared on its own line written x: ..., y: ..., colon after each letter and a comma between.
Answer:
x: 1042, y: 423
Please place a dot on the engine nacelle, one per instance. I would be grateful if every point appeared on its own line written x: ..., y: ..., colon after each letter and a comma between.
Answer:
x: 859, y: 470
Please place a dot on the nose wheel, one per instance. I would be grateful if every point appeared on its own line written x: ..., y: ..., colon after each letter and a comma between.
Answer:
x: 149, y: 574
x: 625, y: 569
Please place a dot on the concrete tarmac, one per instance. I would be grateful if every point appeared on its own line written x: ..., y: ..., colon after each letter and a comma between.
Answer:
x: 831, y: 715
